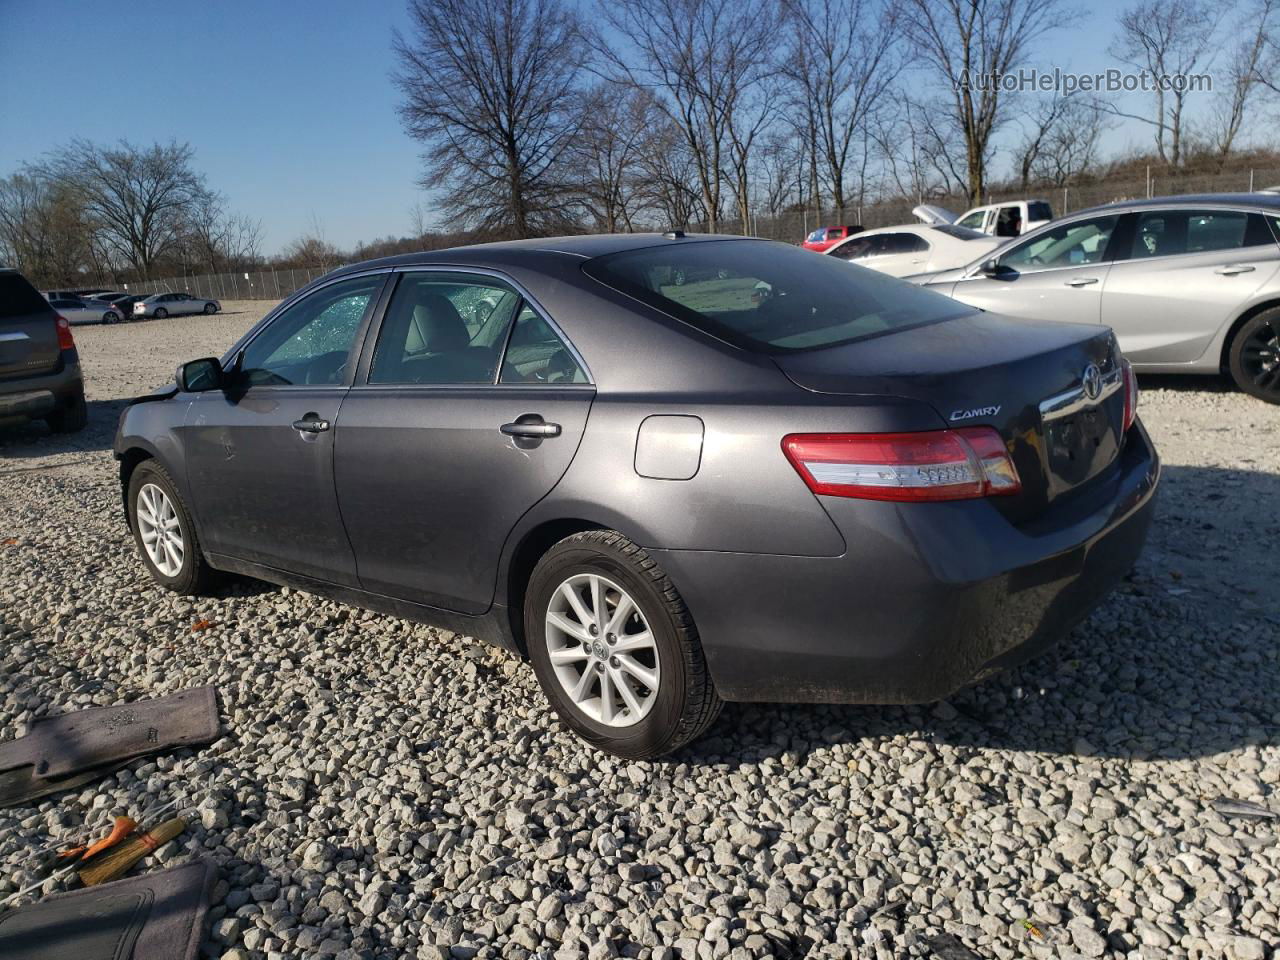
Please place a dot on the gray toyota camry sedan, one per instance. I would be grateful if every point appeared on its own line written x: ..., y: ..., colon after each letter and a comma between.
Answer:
x: 670, y: 470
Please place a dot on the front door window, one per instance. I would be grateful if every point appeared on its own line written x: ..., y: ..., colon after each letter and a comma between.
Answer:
x: 310, y: 342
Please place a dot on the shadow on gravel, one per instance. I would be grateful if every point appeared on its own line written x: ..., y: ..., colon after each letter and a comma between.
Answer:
x: 33, y: 438
x: 1187, y: 383
x: 1182, y: 661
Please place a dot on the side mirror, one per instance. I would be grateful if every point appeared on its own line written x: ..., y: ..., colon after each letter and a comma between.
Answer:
x: 195, y: 376
x: 993, y: 269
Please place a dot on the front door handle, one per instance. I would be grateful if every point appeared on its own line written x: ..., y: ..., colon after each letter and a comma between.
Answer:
x: 1081, y: 281
x: 311, y: 423
x: 531, y: 426
x: 1231, y: 269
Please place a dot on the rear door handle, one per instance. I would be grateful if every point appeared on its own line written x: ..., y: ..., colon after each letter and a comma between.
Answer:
x: 1231, y: 269
x: 531, y: 426
x: 311, y: 423
x: 1081, y: 281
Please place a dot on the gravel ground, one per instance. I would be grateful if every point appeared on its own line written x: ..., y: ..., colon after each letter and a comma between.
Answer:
x: 390, y: 790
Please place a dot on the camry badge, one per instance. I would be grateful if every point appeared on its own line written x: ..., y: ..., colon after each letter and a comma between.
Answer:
x: 1091, y: 379
x: 975, y: 412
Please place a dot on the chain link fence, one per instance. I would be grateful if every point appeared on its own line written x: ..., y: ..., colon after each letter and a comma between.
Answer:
x: 792, y: 227
x: 257, y: 285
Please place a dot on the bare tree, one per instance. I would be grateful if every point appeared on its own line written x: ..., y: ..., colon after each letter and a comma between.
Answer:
x: 781, y: 156
x: 843, y: 60
x: 669, y: 184
x: 921, y: 151
x: 138, y: 197
x: 1244, y: 75
x: 616, y: 123
x: 218, y: 239
x: 703, y: 61
x: 489, y: 88
x: 43, y: 231
x: 968, y: 43
x: 1060, y: 140
x: 1168, y: 40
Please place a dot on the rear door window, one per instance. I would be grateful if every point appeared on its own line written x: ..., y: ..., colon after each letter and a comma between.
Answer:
x: 443, y: 328
x: 18, y: 298
x: 536, y: 354
x: 1165, y: 233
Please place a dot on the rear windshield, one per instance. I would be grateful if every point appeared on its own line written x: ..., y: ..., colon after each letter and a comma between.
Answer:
x: 19, y: 298
x: 770, y: 297
x: 1039, y: 211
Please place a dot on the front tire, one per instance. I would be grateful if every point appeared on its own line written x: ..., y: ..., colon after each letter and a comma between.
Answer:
x: 161, y: 313
x: 164, y: 532
x: 615, y: 649
x: 1254, y: 356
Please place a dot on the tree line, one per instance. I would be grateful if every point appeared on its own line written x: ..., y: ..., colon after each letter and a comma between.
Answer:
x: 119, y: 211
x: 542, y: 116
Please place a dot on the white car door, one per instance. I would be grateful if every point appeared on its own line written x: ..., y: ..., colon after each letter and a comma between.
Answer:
x: 975, y: 220
x: 1054, y: 275
x: 897, y: 254
x: 1185, y: 273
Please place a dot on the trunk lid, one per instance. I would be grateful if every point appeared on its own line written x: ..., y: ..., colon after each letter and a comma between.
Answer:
x: 28, y: 330
x: 1033, y: 381
x: 933, y: 214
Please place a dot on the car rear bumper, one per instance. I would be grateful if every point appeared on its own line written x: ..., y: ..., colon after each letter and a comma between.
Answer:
x: 39, y: 396
x: 927, y: 599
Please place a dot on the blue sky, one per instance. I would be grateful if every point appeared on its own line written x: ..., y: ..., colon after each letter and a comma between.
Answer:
x: 288, y: 104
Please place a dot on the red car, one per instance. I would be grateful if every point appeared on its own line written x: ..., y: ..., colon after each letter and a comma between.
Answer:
x: 826, y: 237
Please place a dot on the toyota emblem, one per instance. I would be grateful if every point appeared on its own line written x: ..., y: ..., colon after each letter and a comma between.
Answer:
x: 1092, y: 381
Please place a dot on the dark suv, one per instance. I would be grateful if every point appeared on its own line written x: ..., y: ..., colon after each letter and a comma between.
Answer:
x: 39, y: 367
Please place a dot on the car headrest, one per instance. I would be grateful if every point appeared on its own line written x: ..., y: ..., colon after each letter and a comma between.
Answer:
x: 439, y: 325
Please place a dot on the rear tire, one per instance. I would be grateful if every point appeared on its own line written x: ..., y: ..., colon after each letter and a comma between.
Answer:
x: 210, y: 309
x: 658, y: 631
x: 70, y: 419
x: 1254, y: 356
x: 161, y: 313
x: 154, y: 506
x: 111, y: 317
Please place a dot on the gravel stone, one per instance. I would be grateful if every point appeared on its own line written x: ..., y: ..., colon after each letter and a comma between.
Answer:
x: 387, y: 790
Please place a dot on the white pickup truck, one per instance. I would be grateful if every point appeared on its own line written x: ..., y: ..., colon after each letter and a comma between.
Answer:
x: 1009, y: 219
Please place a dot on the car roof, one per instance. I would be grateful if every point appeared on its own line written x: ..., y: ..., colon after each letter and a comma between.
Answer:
x: 1264, y: 201
x: 516, y: 252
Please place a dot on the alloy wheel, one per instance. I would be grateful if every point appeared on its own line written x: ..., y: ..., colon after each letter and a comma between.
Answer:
x: 602, y: 651
x: 160, y: 530
x: 1260, y: 357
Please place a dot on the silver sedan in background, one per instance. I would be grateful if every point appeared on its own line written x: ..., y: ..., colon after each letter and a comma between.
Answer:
x: 161, y: 305
x: 1189, y: 284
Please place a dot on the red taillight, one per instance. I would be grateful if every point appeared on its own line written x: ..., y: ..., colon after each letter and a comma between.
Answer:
x: 1130, y: 393
x: 934, y: 465
x: 65, y: 340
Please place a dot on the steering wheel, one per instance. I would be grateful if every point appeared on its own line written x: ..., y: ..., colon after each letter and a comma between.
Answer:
x: 327, y: 368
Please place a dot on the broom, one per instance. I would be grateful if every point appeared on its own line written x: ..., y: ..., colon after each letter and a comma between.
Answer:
x: 115, y: 862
